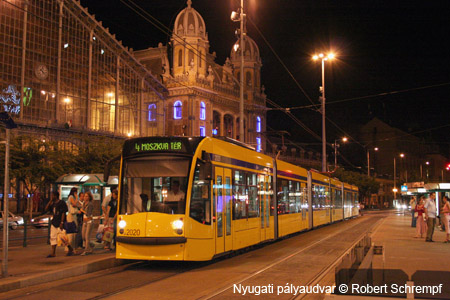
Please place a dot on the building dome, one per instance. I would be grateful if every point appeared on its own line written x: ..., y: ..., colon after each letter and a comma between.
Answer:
x: 189, y: 23
x: 251, y: 50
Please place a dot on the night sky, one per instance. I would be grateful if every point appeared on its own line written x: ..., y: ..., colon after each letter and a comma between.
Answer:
x: 396, y: 47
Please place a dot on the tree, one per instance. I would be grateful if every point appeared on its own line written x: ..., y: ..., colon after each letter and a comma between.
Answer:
x: 366, y: 185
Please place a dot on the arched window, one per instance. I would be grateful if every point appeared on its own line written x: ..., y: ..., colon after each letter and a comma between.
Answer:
x: 177, y: 110
x: 202, y: 111
x: 258, y: 124
x: 180, y: 58
x: 152, y: 112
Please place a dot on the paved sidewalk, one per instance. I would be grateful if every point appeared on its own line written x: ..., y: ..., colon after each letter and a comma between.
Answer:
x: 29, y: 266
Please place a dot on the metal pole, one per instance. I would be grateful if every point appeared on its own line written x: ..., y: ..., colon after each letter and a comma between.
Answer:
x: 368, y: 163
x: 241, y: 102
x: 335, y: 154
x: 394, y: 179
x: 324, y: 138
x: 5, y: 207
x: 421, y: 172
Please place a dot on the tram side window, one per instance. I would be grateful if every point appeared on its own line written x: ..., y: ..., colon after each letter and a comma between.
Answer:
x: 304, y: 200
x: 313, y: 196
x: 283, y: 197
x: 326, y: 197
x: 270, y: 191
x: 297, y: 196
x: 200, y: 208
x: 239, y: 196
x: 338, y: 202
x: 253, y: 203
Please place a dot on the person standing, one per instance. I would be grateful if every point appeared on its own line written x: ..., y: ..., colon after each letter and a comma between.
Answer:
x: 412, y: 204
x: 421, y: 225
x: 87, y: 210
x: 430, y: 215
x: 73, y: 207
x: 78, y: 236
x: 105, y: 202
x: 58, y: 209
x: 111, y: 216
x: 446, y: 218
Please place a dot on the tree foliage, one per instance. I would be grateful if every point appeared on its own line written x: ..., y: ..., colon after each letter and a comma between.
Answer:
x: 37, y: 164
x: 366, y: 185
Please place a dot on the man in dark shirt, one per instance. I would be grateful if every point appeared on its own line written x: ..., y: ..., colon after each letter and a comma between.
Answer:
x: 58, y: 209
x: 111, y: 216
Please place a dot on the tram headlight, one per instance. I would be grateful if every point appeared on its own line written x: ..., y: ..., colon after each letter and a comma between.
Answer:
x: 178, y: 226
x: 122, y: 224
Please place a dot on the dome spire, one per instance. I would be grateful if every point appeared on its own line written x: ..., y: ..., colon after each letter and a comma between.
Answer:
x: 189, y: 3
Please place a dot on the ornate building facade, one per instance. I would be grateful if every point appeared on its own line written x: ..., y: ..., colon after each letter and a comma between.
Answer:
x: 203, y: 97
x: 62, y: 74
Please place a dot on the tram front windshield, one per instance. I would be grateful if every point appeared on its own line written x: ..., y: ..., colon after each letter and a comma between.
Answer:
x: 154, y: 184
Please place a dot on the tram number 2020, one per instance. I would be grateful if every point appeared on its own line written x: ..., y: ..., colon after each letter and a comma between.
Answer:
x: 133, y: 232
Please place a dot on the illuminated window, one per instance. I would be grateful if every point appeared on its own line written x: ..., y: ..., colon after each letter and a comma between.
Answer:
x: 177, y: 110
x: 202, y: 111
x: 258, y: 124
x: 152, y: 112
x: 258, y: 144
x: 202, y: 131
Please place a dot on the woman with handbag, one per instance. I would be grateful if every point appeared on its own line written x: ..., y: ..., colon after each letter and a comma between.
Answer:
x: 72, y: 222
x: 421, y: 225
x: 87, y: 210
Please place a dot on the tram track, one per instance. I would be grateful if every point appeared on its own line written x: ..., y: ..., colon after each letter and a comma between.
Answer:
x: 316, y: 278
x: 157, y: 274
x: 319, y: 276
x: 132, y: 287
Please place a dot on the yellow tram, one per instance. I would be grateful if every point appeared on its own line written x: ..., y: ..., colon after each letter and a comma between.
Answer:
x: 197, y: 198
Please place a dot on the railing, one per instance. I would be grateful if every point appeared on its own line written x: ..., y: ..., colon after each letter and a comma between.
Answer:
x: 26, y: 237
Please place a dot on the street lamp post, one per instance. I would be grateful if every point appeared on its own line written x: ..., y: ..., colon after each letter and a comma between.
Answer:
x: 395, y: 185
x: 241, y: 19
x: 368, y: 160
x: 395, y: 174
x: 322, y: 89
x: 336, y: 145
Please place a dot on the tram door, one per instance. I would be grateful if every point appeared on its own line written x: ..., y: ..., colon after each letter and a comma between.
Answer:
x: 222, y: 197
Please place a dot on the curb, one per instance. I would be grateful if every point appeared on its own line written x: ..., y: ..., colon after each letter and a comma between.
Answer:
x: 26, y: 281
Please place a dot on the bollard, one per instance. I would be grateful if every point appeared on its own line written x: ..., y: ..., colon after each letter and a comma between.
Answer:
x: 24, y: 232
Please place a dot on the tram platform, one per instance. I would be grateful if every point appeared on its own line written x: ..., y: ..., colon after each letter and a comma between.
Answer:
x: 405, y: 259
x: 29, y: 266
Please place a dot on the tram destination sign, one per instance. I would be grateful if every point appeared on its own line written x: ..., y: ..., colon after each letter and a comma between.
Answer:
x: 156, y: 145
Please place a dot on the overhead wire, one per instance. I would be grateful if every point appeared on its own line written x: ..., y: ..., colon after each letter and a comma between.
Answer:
x: 365, y: 97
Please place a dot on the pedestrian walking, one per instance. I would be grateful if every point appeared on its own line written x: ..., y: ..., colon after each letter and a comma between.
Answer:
x: 412, y: 204
x: 446, y: 218
x: 430, y: 214
x: 58, y: 209
x: 421, y: 226
x: 111, y: 216
x: 87, y: 210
